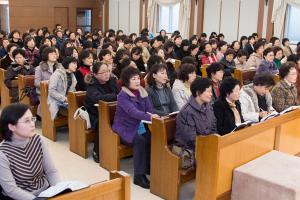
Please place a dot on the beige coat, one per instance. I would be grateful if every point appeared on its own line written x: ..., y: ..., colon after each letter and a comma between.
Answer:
x: 254, y: 61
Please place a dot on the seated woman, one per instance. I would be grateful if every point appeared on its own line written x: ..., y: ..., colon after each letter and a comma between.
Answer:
x: 284, y: 93
x: 227, y: 108
x: 256, y: 57
x: 86, y: 60
x: 6, y: 61
x: 136, y: 56
x: 106, y: 57
x: 197, y: 116
x: 296, y: 59
x: 31, y: 51
x: 100, y: 86
x: 215, y: 73
x: 267, y: 65
x: 181, y: 87
x: 287, y: 51
x: 278, y: 57
x: 19, y: 66
x: 61, y: 82
x: 159, y: 92
x: 33, y: 172
x: 228, y: 62
x: 133, y: 105
x: 241, y: 59
x: 207, y: 56
x: 71, y: 51
x: 255, y: 99
x: 222, y: 48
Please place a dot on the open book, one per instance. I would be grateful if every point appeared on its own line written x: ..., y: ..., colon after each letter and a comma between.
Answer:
x: 289, y: 109
x: 242, y: 125
x: 269, y: 116
x: 62, y: 187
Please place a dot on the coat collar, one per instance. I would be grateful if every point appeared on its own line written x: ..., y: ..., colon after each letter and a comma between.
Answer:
x: 142, y: 92
x: 193, y: 103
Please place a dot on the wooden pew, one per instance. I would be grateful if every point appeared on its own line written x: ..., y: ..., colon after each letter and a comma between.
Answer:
x: 79, y: 135
x: 48, y: 125
x: 23, y: 82
x: 203, y: 70
x: 217, y: 156
x: 110, y: 148
x: 166, y: 173
x: 117, y: 188
x: 244, y: 76
x: 288, y: 133
x: 5, y: 93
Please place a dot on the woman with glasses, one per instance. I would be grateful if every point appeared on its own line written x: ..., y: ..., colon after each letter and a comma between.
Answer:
x: 284, y: 93
x: 100, y: 86
x: 26, y: 168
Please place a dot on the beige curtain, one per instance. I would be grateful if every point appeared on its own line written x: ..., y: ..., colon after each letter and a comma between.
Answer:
x: 184, y: 15
x: 279, y: 13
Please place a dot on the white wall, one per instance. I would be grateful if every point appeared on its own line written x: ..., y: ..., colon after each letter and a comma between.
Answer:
x: 233, y: 18
x: 124, y: 14
x: 4, y: 16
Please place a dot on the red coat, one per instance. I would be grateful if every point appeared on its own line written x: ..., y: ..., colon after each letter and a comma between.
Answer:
x: 208, y: 59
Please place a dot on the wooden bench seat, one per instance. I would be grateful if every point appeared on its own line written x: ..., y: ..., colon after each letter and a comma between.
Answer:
x: 117, y: 188
x: 244, y: 76
x: 110, y: 148
x: 5, y: 93
x: 48, y: 125
x: 166, y: 173
x: 23, y: 82
x: 79, y: 134
x: 217, y: 156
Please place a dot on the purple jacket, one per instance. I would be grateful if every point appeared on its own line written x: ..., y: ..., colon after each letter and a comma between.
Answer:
x: 194, y: 119
x: 32, y: 56
x: 130, y: 111
x: 267, y: 67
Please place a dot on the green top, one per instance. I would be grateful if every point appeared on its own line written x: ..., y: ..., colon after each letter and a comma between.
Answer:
x: 277, y: 63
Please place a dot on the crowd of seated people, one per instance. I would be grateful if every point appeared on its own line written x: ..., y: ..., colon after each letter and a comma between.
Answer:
x: 137, y: 71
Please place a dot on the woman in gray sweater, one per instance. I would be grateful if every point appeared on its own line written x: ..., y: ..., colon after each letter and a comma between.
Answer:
x: 159, y: 92
x: 26, y: 168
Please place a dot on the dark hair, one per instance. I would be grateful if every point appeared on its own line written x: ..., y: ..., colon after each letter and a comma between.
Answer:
x: 264, y: 79
x: 128, y: 41
x: 87, y: 44
x: 220, y: 35
x: 69, y: 51
x: 266, y: 51
x: 203, y: 35
x: 154, y: 70
x: 10, y: 115
x: 221, y: 43
x: 103, y: 53
x: 192, y: 47
x: 127, y: 74
x: 168, y: 44
x: 10, y: 46
x: 106, y: 45
x: 233, y: 43
x: 276, y: 49
x: 227, y: 86
x: 242, y: 53
x: 189, y: 60
x: 228, y: 52
x: 243, y: 38
x: 44, y: 39
x: 28, y: 39
x: 285, y: 69
x: 138, y: 39
x: 83, y: 55
x: 214, y: 68
x: 132, y: 34
x: 46, y: 52
x: 273, y: 39
x: 154, y: 59
x: 97, y: 66
x: 120, y: 54
x: 258, y: 45
x: 18, y: 51
x: 136, y: 50
x: 293, y: 58
x: 251, y: 37
x: 68, y: 60
x: 254, y: 34
x: 199, y: 85
x: 185, y: 70
x: 284, y: 40
x: 12, y: 33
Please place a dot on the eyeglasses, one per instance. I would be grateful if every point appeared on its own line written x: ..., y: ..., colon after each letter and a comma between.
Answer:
x: 28, y: 121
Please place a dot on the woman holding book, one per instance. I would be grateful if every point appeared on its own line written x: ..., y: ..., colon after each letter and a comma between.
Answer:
x: 255, y: 99
x: 33, y: 172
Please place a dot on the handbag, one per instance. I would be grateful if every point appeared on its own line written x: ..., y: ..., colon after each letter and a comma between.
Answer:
x: 31, y: 93
x: 83, y: 114
x: 186, y: 155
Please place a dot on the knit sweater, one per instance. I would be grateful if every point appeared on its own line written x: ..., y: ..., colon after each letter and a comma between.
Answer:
x: 26, y: 168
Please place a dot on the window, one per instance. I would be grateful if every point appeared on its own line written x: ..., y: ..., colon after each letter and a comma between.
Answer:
x: 168, y: 18
x: 292, y: 30
x: 84, y: 19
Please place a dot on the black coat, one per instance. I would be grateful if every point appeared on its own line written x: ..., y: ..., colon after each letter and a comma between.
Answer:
x: 5, y: 62
x: 249, y: 49
x: 96, y: 92
x: 225, y: 116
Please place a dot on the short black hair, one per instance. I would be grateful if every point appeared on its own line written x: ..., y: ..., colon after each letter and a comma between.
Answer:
x: 285, y: 69
x: 138, y: 39
x: 154, y: 69
x: 11, y: 45
x: 67, y: 60
x: 199, y: 86
x: 227, y: 86
x: 127, y: 74
x: 221, y: 43
x: 69, y: 51
x: 10, y: 115
x: 258, y: 45
x: 185, y: 70
x: 214, y: 68
x: 190, y: 60
x: 228, y: 52
x: 154, y: 59
x: 103, y: 53
x: 241, y: 53
x: 96, y: 66
x: 83, y: 55
x: 28, y: 39
x: 18, y: 51
x: 264, y: 79
x: 266, y: 51
x: 46, y: 52
x: 276, y: 49
x: 136, y: 50
x: 128, y: 41
x: 284, y: 40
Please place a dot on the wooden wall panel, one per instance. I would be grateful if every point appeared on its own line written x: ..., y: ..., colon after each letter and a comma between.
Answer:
x: 37, y: 13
